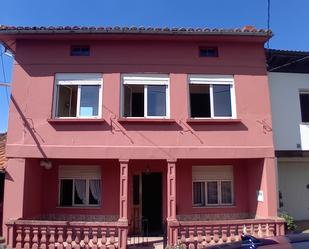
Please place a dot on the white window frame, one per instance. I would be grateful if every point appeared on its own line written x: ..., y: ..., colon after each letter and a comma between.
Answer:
x: 203, y: 177
x: 203, y: 197
x: 219, y: 194
x: 76, y: 176
x: 79, y: 79
x: 214, y: 80
x: 146, y: 80
x: 302, y: 91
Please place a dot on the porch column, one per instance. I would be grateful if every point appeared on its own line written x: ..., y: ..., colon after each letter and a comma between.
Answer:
x: 268, y: 207
x: 270, y: 165
x: 123, y: 207
x: 172, y: 232
x: 13, y: 195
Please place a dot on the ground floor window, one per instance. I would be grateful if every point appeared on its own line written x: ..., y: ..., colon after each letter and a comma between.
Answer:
x: 212, y: 185
x: 79, y: 186
x: 212, y: 193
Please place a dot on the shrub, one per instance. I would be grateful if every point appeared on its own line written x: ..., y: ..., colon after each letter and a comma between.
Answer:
x: 290, y: 223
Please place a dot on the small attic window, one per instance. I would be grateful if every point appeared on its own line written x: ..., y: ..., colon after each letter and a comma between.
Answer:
x: 208, y: 52
x: 77, y: 50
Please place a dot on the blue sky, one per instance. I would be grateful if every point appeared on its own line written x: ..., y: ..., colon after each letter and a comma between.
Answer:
x: 289, y: 19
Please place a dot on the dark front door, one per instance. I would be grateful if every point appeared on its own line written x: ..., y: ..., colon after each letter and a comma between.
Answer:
x: 152, y: 204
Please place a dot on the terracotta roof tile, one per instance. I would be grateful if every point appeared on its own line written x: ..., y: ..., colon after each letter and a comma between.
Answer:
x: 246, y: 30
x: 2, y: 151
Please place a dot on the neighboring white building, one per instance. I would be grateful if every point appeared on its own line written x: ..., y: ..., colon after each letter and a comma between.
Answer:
x: 289, y: 91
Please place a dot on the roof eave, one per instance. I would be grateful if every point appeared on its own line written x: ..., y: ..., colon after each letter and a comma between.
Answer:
x: 135, y: 32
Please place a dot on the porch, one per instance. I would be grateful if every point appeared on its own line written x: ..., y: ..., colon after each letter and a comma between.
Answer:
x: 220, y: 207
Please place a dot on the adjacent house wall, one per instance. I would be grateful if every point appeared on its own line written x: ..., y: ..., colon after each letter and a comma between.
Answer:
x: 290, y: 135
x: 293, y: 185
x: 286, y: 113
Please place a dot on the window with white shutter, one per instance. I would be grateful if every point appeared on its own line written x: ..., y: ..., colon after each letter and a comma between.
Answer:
x: 79, y: 185
x: 78, y: 95
x: 212, y: 96
x: 212, y: 185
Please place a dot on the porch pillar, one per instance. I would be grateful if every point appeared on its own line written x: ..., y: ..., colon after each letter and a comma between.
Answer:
x: 172, y: 230
x: 123, y: 207
x: 270, y: 165
x: 268, y: 207
x: 13, y: 200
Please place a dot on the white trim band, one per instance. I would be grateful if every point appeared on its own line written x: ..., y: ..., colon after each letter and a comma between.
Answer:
x: 145, y: 79
x: 79, y: 79
x: 211, y: 79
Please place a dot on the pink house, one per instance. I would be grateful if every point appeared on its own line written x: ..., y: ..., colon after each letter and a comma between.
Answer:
x: 121, y: 133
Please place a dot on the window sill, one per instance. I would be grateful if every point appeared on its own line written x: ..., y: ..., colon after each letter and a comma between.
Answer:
x: 75, y: 120
x: 213, y: 121
x: 146, y: 120
x: 216, y: 206
x: 79, y: 207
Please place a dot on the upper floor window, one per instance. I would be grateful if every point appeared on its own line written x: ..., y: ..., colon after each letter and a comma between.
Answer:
x: 81, y: 50
x: 78, y: 95
x: 79, y: 186
x: 212, y: 185
x: 145, y: 96
x: 212, y: 96
x: 304, y: 106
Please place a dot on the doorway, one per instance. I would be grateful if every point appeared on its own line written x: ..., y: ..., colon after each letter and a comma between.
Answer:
x: 147, y: 205
x: 152, y: 203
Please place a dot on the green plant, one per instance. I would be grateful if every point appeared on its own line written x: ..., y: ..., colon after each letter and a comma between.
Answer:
x: 290, y: 223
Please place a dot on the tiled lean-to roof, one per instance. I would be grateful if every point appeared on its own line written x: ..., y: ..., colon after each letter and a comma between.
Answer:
x: 246, y: 30
x: 2, y: 151
x: 287, y: 61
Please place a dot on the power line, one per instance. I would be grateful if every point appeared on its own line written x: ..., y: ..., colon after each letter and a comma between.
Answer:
x: 289, y: 63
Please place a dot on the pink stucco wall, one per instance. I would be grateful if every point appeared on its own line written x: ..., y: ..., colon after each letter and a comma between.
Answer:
x: 32, y: 96
x: 13, y: 201
x: 184, y: 187
x: 40, y: 196
x: 262, y: 176
x: 33, y: 189
x: 249, y: 176
x: 110, y: 189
